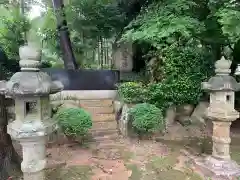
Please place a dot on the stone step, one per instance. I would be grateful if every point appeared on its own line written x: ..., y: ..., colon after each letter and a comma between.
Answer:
x: 97, y: 103
x: 105, y: 138
x: 99, y: 110
x: 104, y: 125
x: 103, y: 132
x: 103, y: 117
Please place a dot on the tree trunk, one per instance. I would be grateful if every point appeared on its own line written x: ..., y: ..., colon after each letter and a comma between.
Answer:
x: 22, y: 10
x: 105, y: 52
x: 65, y: 42
x: 108, y: 62
x: 93, y: 55
x: 101, y: 41
x: 8, y: 155
x: 98, y: 53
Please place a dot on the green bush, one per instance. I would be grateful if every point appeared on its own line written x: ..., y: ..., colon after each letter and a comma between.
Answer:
x: 146, y: 118
x: 132, y: 92
x: 178, y: 91
x: 74, y: 122
x: 184, y: 68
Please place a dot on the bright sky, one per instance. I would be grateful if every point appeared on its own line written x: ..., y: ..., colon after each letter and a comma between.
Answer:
x: 35, y: 11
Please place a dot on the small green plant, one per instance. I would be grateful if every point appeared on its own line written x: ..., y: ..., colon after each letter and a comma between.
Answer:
x: 74, y: 122
x: 132, y: 92
x: 146, y: 118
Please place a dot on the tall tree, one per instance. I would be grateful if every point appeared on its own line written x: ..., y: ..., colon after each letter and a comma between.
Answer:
x: 65, y: 42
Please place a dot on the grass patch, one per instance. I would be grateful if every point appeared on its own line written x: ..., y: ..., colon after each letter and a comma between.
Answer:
x: 235, y: 150
x: 196, y: 145
x: 160, y: 164
x: 136, y: 172
x: 126, y: 155
x: 162, y: 168
x: 71, y: 173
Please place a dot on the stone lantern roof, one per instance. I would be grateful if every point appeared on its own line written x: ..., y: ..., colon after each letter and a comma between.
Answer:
x: 30, y: 81
x: 222, y: 81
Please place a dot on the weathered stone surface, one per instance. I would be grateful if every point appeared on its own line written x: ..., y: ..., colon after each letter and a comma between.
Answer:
x: 117, y: 106
x: 221, y: 111
x: 99, y: 110
x: 222, y: 81
x: 68, y: 104
x: 30, y: 89
x: 183, y: 113
x: 31, y: 81
x: 123, y: 123
x: 97, y: 102
x: 122, y: 57
x: 199, y: 113
x: 103, y: 117
x: 170, y: 116
x: 218, y: 169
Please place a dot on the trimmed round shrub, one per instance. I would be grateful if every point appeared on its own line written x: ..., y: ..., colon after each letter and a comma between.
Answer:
x: 132, y: 92
x: 74, y: 122
x: 146, y: 118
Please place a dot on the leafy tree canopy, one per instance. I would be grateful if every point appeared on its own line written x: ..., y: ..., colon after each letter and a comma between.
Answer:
x: 164, y: 22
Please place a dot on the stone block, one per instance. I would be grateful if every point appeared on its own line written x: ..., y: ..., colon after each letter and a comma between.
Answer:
x: 104, y: 125
x: 99, y: 110
x: 97, y: 103
x: 117, y: 106
x: 183, y: 113
x: 198, y: 115
x: 123, y: 123
x: 170, y: 116
x: 103, y: 117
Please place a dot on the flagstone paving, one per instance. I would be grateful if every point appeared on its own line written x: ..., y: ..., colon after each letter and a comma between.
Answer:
x: 128, y: 159
x: 117, y: 160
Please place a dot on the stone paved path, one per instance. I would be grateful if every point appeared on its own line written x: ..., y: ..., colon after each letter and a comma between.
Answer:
x: 115, y: 160
x: 122, y: 159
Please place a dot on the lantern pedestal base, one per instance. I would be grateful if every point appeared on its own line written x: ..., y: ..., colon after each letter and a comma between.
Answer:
x: 218, y: 169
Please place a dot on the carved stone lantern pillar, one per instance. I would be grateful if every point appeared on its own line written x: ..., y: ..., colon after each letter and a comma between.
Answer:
x: 221, y: 112
x: 30, y: 89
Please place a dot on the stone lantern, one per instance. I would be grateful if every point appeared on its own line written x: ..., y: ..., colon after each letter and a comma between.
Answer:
x: 30, y: 89
x: 221, y: 112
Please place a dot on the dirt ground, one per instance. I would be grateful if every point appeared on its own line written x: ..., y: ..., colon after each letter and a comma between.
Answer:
x: 131, y: 159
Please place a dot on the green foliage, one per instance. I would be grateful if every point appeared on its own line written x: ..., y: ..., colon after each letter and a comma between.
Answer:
x: 229, y: 17
x: 146, y: 118
x: 12, y: 27
x: 184, y: 67
x: 46, y: 64
x: 164, y: 22
x: 11, y: 35
x: 189, y: 58
x: 45, y: 30
x: 177, y: 91
x: 74, y: 122
x: 97, y: 17
x: 174, y: 30
x: 132, y: 92
x: 90, y: 22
